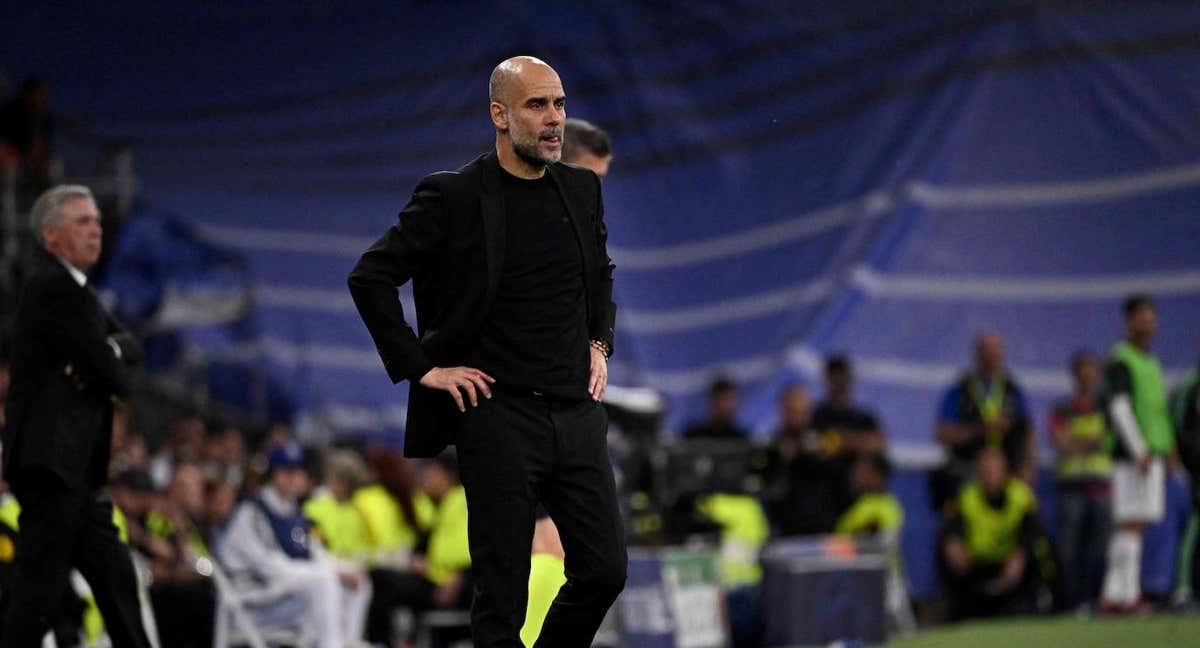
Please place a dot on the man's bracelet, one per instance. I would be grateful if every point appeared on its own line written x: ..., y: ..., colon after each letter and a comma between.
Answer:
x: 602, y: 347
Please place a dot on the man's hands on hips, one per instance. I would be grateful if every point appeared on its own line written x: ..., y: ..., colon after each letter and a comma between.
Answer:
x: 598, y: 381
x: 460, y: 380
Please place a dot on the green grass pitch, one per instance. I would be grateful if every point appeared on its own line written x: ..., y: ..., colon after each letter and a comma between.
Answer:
x: 1161, y: 631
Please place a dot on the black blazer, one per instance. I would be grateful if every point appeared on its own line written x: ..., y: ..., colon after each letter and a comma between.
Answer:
x: 449, y: 241
x: 58, y: 422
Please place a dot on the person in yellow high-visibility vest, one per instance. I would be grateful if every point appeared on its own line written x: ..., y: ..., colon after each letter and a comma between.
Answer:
x: 877, y: 514
x: 988, y: 544
x: 396, y: 512
x: 439, y: 574
x: 181, y: 593
x: 397, y: 517
x: 875, y: 511
x: 340, y: 524
x: 1084, y: 471
x: 447, y: 559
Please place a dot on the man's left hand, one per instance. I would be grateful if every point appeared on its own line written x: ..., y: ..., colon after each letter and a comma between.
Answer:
x: 598, y: 381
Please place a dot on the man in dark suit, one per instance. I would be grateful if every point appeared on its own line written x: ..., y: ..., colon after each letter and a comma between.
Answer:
x: 70, y: 360
x: 513, y: 291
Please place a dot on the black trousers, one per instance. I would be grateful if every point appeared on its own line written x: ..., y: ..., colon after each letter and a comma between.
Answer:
x: 972, y: 594
x: 514, y: 452
x: 185, y: 612
x: 393, y: 590
x: 63, y: 528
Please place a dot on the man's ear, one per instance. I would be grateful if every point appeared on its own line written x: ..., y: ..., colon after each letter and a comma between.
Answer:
x: 499, y: 116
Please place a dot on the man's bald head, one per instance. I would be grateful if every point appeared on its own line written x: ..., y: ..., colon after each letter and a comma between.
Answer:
x: 510, y: 71
x: 528, y: 110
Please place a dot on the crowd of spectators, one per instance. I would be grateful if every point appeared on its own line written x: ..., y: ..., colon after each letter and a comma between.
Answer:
x: 355, y: 543
x: 360, y: 542
x: 825, y: 471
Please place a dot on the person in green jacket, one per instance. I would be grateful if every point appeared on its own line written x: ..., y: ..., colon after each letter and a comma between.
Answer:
x: 1136, y: 404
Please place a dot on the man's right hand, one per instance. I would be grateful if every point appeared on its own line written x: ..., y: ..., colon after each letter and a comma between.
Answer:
x: 1143, y: 463
x: 459, y: 380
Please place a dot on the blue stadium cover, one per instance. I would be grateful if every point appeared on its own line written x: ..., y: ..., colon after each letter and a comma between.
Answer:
x: 786, y: 183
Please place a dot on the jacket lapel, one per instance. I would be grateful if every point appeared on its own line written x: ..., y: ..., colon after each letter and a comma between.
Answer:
x: 491, y: 209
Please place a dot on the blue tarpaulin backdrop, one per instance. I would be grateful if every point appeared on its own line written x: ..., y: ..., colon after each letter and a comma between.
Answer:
x: 786, y: 182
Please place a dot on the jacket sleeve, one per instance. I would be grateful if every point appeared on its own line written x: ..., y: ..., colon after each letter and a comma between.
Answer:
x: 67, y: 324
x: 405, y: 250
x: 604, y: 311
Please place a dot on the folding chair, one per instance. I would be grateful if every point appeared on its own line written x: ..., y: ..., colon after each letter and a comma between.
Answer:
x: 442, y: 620
x: 235, y: 624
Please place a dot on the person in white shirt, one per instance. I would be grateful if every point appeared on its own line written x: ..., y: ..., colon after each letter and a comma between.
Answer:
x: 269, y: 544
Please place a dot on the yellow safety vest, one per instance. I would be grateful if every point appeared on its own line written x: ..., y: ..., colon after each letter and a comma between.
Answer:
x: 992, y: 534
x: 872, y: 513
x: 340, y: 526
x: 1093, y: 427
x: 744, y: 530
x: 387, y: 529
x: 449, y: 552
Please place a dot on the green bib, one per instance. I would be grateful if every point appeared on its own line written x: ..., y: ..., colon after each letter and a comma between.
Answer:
x: 1149, y: 397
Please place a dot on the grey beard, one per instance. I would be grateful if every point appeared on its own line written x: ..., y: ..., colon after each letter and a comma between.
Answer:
x: 530, y: 154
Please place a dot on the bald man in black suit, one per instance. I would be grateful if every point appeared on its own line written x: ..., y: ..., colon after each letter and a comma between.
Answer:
x: 513, y: 290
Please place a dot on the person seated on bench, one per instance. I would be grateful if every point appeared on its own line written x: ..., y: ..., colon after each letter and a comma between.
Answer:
x: 269, y: 545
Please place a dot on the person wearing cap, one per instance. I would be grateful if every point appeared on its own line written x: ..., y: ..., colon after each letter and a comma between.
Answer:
x: 269, y: 543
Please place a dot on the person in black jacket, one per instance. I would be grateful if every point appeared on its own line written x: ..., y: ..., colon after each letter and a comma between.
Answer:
x: 513, y: 291
x: 71, y: 359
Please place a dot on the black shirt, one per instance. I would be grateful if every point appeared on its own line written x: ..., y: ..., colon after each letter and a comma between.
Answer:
x: 812, y: 490
x: 713, y: 429
x: 843, y: 421
x: 535, y: 336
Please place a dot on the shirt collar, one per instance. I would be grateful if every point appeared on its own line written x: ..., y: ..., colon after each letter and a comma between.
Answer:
x: 276, y: 502
x: 78, y: 276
